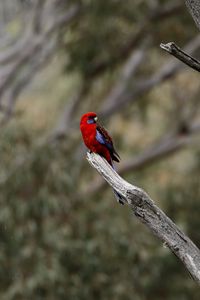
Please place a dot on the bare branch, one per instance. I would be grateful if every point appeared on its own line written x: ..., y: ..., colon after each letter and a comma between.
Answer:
x: 129, y: 68
x: 174, y: 50
x: 64, y: 122
x: 153, y: 217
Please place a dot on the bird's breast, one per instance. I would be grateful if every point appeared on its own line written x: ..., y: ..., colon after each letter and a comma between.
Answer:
x: 89, y: 135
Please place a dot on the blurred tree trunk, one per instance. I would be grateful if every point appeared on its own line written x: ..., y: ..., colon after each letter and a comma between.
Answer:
x: 194, y: 9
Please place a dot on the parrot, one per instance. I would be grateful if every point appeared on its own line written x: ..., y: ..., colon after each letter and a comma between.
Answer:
x: 97, y: 140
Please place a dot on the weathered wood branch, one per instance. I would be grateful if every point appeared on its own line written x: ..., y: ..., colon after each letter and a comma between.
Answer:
x: 187, y: 59
x: 152, y: 216
x: 194, y: 9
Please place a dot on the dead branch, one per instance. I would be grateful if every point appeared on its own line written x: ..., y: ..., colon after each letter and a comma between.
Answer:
x: 194, y: 9
x: 152, y: 216
x: 187, y: 59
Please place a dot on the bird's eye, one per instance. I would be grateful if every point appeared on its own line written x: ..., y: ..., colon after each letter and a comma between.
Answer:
x: 91, y: 120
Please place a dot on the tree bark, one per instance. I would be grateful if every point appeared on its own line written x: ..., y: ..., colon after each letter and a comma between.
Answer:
x: 187, y: 59
x: 152, y: 216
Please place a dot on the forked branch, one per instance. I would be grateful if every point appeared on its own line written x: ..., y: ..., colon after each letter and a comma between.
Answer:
x: 152, y: 216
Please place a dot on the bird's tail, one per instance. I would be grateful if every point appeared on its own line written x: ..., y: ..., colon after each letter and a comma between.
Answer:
x: 119, y: 198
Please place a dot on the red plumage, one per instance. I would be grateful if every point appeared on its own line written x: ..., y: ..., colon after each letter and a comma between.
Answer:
x: 96, y: 138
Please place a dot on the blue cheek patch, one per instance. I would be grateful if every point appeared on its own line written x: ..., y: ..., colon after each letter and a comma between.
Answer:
x: 90, y: 121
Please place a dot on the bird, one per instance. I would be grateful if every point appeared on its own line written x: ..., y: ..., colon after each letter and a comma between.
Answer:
x: 97, y: 140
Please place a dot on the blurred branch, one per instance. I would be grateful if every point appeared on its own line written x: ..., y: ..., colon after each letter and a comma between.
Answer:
x: 166, y: 146
x: 153, y: 217
x: 31, y: 53
x: 169, y: 145
x: 65, y: 121
x: 32, y: 18
x: 30, y: 37
x: 24, y: 79
x: 194, y: 9
x: 36, y: 44
x: 174, y: 50
x: 128, y: 70
x: 37, y: 16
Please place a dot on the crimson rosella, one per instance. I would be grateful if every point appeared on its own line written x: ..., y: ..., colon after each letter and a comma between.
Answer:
x: 97, y: 140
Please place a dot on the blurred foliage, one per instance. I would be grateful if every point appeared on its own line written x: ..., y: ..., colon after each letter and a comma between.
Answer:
x: 55, y: 241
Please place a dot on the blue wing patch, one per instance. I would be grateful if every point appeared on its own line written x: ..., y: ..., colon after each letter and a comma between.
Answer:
x: 102, y: 140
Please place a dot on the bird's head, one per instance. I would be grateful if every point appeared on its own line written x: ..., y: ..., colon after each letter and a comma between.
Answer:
x: 89, y: 118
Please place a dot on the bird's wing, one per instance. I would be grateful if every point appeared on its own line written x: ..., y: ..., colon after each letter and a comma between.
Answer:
x: 104, y: 139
